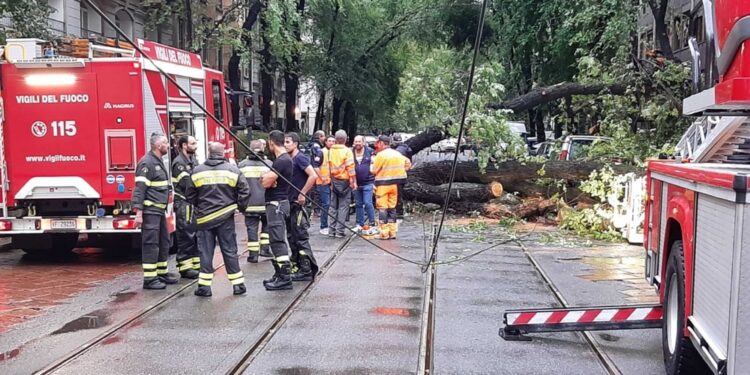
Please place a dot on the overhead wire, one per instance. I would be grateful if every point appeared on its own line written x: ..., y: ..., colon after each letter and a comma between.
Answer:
x: 461, y: 129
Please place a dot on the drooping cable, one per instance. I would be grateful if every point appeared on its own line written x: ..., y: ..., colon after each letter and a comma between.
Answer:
x: 477, y: 43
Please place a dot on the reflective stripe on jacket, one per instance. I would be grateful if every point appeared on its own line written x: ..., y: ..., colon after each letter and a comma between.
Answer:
x: 321, y: 162
x: 151, y: 193
x: 253, y: 168
x: 341, y: 162
x: 217, y: 188
x: 389, y: 167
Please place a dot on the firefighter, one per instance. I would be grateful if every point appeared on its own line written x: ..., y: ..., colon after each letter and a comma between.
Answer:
x: 150, y: 199
x: 188, y: 258
x: 255, y: 214
x: 277, y: 211
x: 405, y: 150
x: 304, y: 266
x: 389, y: 168
x: 343, y: 182
x: 217, y: 190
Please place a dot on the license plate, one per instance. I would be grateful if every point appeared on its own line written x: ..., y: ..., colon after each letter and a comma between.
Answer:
x: 63, y: 224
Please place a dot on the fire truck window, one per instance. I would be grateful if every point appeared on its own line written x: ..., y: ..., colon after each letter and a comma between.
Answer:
x: 181, y: 126
x: 218, y: 108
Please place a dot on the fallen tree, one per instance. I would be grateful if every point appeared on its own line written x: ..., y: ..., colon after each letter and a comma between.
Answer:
x: 474, y: 191
x: 513, y: 175
x: 547, y: 94
x: 460, y: 192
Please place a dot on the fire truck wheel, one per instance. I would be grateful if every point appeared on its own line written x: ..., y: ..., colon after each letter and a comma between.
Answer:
x: 680, y: 357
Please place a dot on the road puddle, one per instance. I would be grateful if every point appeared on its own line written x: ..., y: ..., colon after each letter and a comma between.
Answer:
x: 92, y: 320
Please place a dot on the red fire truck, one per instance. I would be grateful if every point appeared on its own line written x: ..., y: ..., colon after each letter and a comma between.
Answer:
x: 73, y: 129
x: 697, y: 222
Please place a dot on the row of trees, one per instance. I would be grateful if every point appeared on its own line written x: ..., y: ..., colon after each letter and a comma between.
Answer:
x: 403, y: 64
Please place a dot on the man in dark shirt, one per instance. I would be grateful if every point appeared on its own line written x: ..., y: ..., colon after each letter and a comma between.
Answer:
x: 276, y: 183
x: 304, y: 266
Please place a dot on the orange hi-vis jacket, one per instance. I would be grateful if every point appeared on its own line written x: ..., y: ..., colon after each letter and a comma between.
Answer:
x: 324, y: 175
x: 389, y: 167
x: 341, y: 162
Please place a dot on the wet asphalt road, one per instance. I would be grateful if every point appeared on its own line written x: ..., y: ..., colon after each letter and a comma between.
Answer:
x: 362, y: 317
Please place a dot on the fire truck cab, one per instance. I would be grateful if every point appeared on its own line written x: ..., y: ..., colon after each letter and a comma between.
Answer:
x: 72, y: 129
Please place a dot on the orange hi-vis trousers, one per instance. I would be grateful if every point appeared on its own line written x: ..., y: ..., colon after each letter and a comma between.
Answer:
x: 386, y: 196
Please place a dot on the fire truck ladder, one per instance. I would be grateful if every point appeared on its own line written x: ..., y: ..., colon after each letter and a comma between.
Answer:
x: 713, y: 139
x: 598, y: 318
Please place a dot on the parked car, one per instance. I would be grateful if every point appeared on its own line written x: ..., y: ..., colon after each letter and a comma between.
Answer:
x: 543, y: 149
x: 446, y: 145
x: 573, y: 145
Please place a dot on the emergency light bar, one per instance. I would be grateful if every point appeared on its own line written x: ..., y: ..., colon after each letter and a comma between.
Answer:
x: 49, y: 63
x: 50, y: 79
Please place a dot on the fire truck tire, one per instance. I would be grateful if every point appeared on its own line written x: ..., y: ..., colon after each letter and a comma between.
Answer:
x: 680, y: 356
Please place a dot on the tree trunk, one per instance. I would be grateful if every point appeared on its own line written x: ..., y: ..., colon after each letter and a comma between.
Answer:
x: 513, y: 175
x: 188, y: 25
x: 659, y: 10
x: 460, y: 192
x: 571, y: 117
x: 234, y: 84
x: 291, y: 82
x: 530, y: 122
x: 544, y: 95
x: 350, y: 120
x: 266, y: 77
x: 336, y: 113
x: 291, y: 79
x: 320, y: 112
x: 256, y: 7
x: 538, y: 124
x: 527, y: 210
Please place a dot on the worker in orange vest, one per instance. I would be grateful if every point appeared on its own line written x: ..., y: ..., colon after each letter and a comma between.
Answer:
x: 389, y: 168
x: 323, y: 183
x: 340, y: 163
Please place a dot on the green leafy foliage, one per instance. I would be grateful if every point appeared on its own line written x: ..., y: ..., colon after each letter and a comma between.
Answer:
x: 29, y: 19
x: 593, y: 222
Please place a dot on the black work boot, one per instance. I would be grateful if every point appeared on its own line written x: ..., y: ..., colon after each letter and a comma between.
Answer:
x: 239, y: 289
x: 276, y: 271
x: 154, y: 283
x: 283, y: 279
x: 304, y: 273
x: 189, y: 274
x: 252, y: 257
x: 169, y: 278
x: 203, y: 291
x: 265, y: 251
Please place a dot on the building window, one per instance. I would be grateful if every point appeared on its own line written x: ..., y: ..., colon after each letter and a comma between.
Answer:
x: 84, y: 20
x: 181, y: 33
x: 216, y: 93
x: 124, y: 22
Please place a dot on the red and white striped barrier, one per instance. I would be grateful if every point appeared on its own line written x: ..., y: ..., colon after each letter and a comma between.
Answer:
x: 597, y: 318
